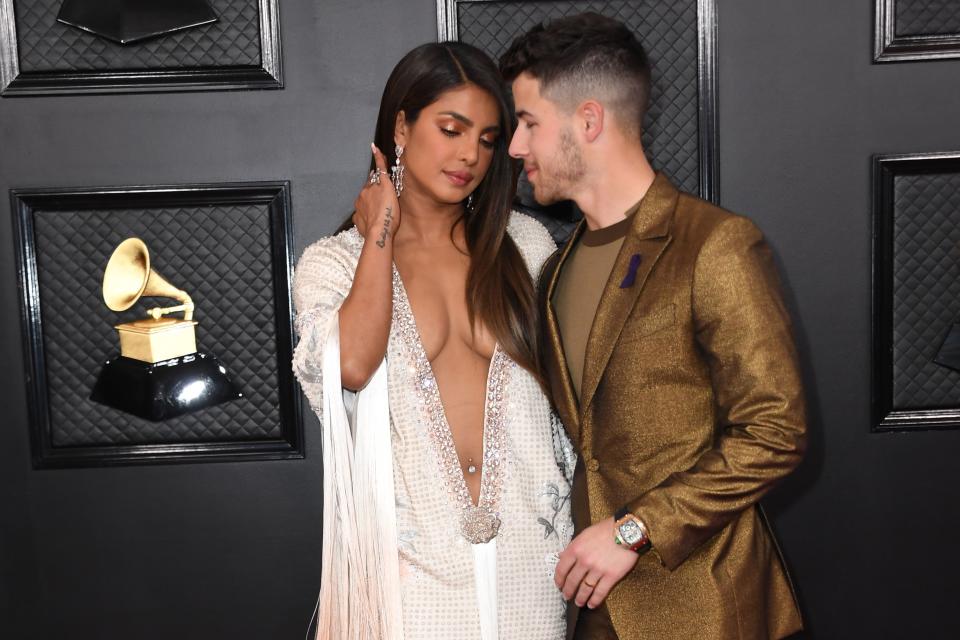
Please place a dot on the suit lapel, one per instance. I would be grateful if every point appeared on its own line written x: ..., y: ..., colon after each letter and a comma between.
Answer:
x: 561, y: 385
x: 647, y: 238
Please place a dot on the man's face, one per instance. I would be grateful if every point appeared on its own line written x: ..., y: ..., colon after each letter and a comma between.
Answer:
x: 546, y: 143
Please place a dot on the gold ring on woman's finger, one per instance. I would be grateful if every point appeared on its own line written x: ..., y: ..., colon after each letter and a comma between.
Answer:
x: 592, y: 586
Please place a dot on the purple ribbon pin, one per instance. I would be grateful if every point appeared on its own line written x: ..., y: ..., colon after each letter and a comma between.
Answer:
x: 631, y: 271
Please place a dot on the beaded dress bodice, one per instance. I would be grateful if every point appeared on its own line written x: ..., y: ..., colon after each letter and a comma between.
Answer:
x: 527, y: 464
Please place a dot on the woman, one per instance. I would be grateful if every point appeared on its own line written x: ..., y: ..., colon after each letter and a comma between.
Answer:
x: 447, y: 524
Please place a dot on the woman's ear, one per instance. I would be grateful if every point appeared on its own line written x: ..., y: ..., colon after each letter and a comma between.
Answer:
x: 400, y: 129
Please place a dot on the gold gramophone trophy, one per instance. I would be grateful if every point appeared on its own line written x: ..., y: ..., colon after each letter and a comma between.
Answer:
x: 159, y: 374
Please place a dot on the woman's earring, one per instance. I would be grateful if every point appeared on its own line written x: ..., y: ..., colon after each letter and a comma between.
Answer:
x: 396, y: 171
x: 470, y: 203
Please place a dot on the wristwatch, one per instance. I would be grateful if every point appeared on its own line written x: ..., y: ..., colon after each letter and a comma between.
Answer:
x: 631, y: 532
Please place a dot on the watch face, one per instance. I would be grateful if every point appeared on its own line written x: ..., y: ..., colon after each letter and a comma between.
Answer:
x: 631, y: 532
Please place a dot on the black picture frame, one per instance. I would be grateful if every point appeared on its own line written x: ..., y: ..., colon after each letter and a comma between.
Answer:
x: 267, y: 75
x: 708, y: 138
x: 275, y: 197
x: 886, y: 415
x: 890, y: 47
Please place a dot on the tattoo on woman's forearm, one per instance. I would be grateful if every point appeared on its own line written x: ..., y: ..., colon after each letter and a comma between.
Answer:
x: 386, y: 228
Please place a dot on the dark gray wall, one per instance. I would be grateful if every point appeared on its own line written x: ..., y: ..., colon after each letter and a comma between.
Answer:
x: 867, y: 523
x: 226, y: 550
x: 232, y: 550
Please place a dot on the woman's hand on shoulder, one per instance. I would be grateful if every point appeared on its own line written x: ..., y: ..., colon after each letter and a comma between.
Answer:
x: 376, y: 209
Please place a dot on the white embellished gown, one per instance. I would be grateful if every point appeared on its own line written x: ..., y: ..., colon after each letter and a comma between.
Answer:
x: 526, y: 470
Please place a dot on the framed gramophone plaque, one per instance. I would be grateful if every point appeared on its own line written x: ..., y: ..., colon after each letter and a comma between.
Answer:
x: 50, y: 47
x: 228, y: 249
x: 916, y: 30
x: 916, y: 292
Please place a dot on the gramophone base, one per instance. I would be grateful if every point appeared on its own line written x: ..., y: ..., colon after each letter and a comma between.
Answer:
x: 165, y: 389
x: 157, y: 340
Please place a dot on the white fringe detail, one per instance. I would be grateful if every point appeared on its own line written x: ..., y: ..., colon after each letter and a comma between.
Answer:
x: 360, y: 574
x: 485, y: 575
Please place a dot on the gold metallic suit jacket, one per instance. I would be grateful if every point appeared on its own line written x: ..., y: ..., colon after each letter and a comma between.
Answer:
x: 691, y: 410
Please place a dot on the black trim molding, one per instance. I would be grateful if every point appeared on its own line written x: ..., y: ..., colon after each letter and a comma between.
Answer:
x: 890, y: 47
x: 889, y: 414
x: 266, y: 75
x: 274, y: 198
x: 709, y: 162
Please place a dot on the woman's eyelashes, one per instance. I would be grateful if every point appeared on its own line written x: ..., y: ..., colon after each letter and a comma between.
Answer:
x: 486, y: 140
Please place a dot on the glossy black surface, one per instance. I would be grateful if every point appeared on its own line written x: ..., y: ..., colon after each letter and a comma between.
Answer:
x: 128, y: 21
x: 165, y: 389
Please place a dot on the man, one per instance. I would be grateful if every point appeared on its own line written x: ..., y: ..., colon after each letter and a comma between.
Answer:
x: 669, y: 355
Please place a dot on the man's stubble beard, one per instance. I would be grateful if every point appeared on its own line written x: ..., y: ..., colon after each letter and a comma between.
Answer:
x: 566, y: 171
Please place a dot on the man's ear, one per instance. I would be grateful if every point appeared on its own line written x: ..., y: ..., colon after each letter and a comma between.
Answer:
x: 400, y: 129
x: 591, y: 116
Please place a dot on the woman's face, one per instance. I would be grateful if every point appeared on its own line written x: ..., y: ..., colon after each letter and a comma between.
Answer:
x: 448, y: 150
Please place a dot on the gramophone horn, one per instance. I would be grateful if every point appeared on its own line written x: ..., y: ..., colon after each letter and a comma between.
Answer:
x: 128, y: 277
x: 160, y: 373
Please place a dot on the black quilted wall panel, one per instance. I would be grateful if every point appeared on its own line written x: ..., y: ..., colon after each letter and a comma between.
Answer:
x: 47, y: 45
x: 926, y: 287
x: 916, y: 30
x: 926, y: 17
x: 669, y: 33
x: 228, y: 246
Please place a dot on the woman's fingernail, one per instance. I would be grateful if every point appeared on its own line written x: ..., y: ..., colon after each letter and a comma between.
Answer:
x: 373, y: 147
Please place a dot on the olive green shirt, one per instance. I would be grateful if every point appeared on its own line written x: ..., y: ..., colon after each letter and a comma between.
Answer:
x: 579, y: 287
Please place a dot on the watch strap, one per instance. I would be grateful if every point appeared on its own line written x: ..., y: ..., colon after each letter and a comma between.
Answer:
x: 641, y: 546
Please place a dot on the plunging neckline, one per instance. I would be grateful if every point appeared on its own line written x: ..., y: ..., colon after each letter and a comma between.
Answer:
x: 479, y: 522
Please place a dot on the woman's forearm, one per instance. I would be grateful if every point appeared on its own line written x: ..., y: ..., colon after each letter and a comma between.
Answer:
x: 366, y: 313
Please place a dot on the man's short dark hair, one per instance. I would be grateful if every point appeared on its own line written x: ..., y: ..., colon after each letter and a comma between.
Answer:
x: 585, y: 56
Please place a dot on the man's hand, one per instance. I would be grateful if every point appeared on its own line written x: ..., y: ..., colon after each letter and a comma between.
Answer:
x: 592, y: 564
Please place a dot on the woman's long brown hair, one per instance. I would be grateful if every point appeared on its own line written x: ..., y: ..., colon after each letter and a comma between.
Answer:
x: 500, y: 293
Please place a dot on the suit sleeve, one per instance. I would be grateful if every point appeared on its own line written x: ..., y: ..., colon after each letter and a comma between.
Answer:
x: 744, y: 333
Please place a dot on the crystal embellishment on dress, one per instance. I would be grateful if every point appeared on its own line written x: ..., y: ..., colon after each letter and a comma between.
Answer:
x: 479, y: 523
